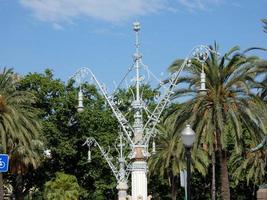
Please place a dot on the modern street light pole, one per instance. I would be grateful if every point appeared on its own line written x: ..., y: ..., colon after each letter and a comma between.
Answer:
x: 188, y: 137
x: 188, y: 168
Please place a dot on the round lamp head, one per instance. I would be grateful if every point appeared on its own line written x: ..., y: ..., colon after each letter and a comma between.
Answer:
x: 80, y: 109
x: 188, y: 136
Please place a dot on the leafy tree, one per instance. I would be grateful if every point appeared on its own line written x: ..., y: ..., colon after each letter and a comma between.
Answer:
x: 227, y: 101
x: 62, y: 187
x: 47, y: 90
x: 126, y: 96
x: 65, y: 131
x: 19, y: 126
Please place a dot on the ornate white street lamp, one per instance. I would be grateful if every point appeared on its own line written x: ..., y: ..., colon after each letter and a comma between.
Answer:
x: 188, y: 138
x: 139, y: 133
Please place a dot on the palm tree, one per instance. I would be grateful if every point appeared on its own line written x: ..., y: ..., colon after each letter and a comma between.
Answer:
x: 263, y: 85
x: 19, y: 126
x: 168, y: 160
x: 249, y: 168
x: 260, y: 85
x: 226, y: 103
x: 22, y: 159
x: 265, y: 25
x: 252, y: 166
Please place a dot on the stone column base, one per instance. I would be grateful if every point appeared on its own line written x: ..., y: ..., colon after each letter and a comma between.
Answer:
x: 122, y: 190
x: 262, y: 194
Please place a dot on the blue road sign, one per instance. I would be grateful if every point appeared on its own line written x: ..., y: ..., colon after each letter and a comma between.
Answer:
x: 4, y: 159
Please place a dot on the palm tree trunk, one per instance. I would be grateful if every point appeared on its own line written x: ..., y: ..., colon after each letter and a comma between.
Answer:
x: 174, y: 184
x: 1, y: 187
x: 225, y: 188
x: 19, y: 188
x: 213, y: 182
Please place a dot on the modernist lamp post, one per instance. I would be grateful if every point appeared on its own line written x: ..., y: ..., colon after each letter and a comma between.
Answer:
x: 188, y: 138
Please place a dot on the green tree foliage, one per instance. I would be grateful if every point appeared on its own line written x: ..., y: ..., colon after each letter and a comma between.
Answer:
x: 62, y: 187
x: 47, y: 90
x: 127, y: 96
x: 250, y: 167
x: 227, y: 102
x: 168, y: 160
x: 65, y: 131
x: 19, y: 127
x: 262, y: 83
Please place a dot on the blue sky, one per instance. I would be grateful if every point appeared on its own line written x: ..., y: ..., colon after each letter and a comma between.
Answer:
x: 65, y: 35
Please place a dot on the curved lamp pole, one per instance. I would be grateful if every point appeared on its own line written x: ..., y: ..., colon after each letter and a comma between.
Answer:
x: 188, y: 138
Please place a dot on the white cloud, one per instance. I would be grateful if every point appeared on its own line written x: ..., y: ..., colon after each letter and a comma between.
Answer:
x: 60, y: 11
x: 57, y: 11
x: 194, y: 5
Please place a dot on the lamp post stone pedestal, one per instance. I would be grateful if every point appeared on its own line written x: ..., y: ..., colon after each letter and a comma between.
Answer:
x: 122, y: 188
x: 262, y: 194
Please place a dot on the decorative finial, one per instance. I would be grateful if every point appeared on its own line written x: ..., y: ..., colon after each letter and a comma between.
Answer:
x: 136, y: 26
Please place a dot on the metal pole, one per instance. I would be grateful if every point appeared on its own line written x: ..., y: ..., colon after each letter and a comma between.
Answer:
x: 188, y: 168
x: 137, y: 59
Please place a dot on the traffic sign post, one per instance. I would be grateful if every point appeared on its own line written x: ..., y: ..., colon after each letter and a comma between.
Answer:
x: 4, y: 160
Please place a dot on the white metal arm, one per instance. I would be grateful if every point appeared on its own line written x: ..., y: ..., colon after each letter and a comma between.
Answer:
x: 92, y: 142
x: 81, y: 75
x: 200, y: 53
x: 120, y: 174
